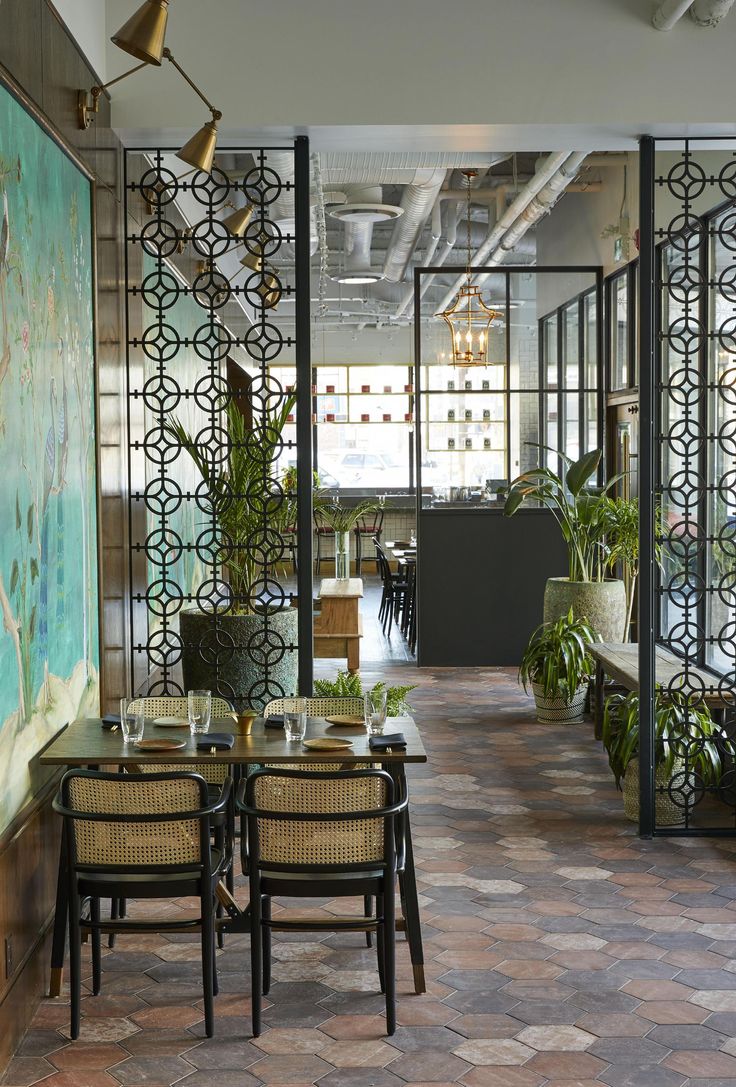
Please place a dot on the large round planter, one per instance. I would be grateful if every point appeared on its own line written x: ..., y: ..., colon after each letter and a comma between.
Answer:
x: 249, y: 655
x: 601, y: 603
x: 558, y: 711
x: 667, y: 812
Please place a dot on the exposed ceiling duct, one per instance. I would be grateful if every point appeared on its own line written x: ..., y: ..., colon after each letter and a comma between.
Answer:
x: 358, y: 268
x: 394, y: 168
x: 544, y: 189
x: 706, y: 13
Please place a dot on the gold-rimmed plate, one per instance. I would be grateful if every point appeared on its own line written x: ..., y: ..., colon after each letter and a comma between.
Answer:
x: 171, y: 722
x: 160, y: 745
x: 347, y: 720
x: 327, y: 743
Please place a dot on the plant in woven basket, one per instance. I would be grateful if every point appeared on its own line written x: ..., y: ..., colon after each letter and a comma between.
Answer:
x: 350, y: 685
x: 681, y: 725
x: 557, y: 665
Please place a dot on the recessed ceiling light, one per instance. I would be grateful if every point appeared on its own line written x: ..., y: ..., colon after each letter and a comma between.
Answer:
x: 366, y: 213
x: 358, y: 276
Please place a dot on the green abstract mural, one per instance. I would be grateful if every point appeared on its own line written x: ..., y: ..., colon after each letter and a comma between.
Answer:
x: 49, y: 648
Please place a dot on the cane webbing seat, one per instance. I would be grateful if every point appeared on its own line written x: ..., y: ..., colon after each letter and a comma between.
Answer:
x: 143, y: 842
x: 176, y: 706
x: 329, y: 842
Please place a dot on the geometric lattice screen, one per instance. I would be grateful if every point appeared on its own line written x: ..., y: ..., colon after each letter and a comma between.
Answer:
x: 694, y: 468
x: 211, y: 428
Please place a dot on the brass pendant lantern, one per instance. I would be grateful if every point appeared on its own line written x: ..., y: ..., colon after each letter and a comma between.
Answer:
x: 469, y: 318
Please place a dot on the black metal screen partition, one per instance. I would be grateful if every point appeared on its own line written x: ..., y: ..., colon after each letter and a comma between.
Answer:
x: 220, y: 523
x: 688, y: 485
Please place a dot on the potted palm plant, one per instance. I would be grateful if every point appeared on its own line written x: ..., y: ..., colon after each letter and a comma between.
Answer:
x: 578, y: 508
x: 557, y: 665
x: 680, y: 725
x: 255, y: 635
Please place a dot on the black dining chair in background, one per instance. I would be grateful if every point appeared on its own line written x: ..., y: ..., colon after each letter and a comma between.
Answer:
x: 394, y: 589
x: 369, y: 527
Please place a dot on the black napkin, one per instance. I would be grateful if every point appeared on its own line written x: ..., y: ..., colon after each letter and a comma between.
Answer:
x: 380, y: 743
x: 110, y: 720
x: 222, y: 741
x: 274, y: 722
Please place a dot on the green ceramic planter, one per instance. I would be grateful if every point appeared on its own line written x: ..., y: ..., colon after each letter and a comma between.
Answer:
x: 601, y: 603
x: 248, y: 648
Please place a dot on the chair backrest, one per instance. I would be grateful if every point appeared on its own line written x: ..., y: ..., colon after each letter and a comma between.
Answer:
x: 384, y: 568
x: 370, y: 523
x: 351, y: 828
x: 135, y: 820
x: 176, y: 706
x: 326, y: 706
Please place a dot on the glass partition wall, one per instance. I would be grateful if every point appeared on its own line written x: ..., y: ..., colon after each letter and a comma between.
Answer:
x: 479, y: 427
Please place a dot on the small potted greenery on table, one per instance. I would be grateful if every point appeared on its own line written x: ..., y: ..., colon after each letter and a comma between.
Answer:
x: 681, y: 725
x: 557, y: 665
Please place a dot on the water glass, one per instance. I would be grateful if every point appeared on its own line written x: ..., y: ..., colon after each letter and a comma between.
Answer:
x: 375, y: 705
x: 295, y: 718
x: 199, y: 711
x: 131, y: 721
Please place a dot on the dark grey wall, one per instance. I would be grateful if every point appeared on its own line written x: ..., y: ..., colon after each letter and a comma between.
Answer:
x: 481, y: 583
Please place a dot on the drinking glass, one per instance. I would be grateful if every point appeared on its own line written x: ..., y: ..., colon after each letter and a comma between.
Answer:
x: 295, y: 718
x: 375, y: 702
x: 131, y: 722
x: 199, y: 710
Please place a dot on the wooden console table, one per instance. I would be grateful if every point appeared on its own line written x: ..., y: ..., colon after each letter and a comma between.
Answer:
x: 338, y: 626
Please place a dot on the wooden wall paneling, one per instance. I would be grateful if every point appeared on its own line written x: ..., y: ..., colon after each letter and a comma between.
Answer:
x: 19, y: 40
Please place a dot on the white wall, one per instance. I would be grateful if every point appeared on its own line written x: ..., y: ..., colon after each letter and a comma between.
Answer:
x: 85, y: 20
x: 426, y: 67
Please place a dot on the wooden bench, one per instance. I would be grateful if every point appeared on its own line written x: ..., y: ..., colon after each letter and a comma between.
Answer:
x: 620, y: 661
x: 338, y: 626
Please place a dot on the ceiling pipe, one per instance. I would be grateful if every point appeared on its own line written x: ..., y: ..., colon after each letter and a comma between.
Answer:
x: 669, y: 12
x: 417, y: 202
x: 547, y: 170
x: 710, y: 12
x: 429, y: 255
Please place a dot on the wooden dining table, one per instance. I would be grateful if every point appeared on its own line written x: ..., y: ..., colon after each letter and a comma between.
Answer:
x: 86, y: 742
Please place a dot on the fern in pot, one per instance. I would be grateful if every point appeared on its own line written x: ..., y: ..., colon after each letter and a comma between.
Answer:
x: 557, y: 666
x: 681, y: 726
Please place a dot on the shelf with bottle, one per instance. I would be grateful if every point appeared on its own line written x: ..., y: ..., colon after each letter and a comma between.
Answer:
x: 466, y: 445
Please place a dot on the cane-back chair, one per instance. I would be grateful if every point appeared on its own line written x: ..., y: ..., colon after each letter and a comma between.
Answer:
x: 145, y: 836
x: 313, y: 834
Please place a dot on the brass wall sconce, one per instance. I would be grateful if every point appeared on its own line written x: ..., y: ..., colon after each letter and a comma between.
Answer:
x: 143, y: 37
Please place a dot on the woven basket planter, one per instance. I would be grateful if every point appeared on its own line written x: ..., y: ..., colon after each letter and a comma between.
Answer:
x: 558, y: 711
x: 667, y: 812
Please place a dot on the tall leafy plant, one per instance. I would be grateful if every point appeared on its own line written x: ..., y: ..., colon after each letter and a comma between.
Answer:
x: 575, y: 505
x: 248, y: 506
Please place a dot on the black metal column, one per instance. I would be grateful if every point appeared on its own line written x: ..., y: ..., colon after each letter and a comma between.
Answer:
x: 647, y: 438
x: 303, y: 415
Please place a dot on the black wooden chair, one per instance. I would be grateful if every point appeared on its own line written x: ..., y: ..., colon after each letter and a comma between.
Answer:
x: 142, y: 836
x: 394, y: 589
x: 369, y: 527
x: 314, y: 834
x: 323, y: 532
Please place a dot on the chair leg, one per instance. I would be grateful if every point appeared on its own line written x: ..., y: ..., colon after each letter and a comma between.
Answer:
x: 114, y: 915
x: 208, y: 958
x: 256, y: 962
x: 219, y: 914
x: 368, y: 912
x: 388, y: 929
x: 75, y: 965
x: 94, y: 913
x: 381, y: 944
x: 266, y: 942
x: 358, y: 552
